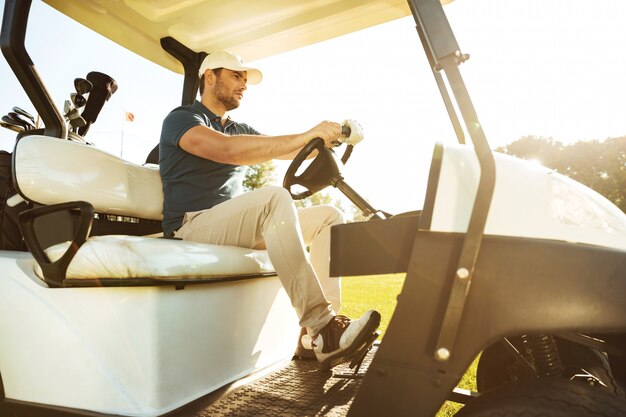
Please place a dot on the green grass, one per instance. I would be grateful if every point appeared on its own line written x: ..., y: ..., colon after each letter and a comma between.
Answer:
x: 380, y: 292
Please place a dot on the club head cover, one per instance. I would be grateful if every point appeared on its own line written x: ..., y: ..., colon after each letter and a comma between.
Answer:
x: 104, y: 87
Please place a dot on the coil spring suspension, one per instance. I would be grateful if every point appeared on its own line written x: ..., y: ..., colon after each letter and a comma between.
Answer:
x: 544, y: 353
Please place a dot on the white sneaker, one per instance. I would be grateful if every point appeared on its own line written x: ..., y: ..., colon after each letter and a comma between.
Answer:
x: 342, y: 337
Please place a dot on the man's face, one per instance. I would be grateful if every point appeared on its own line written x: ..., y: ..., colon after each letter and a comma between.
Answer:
x: 229, y: 87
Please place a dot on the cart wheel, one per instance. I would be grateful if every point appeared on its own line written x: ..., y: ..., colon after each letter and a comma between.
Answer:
x: 588, y: 365
x: 617, y: 360
x: 497, y: 367
x: 545, y: 398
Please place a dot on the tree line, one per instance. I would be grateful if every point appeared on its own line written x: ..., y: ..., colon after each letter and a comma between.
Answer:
x: 600, y: 165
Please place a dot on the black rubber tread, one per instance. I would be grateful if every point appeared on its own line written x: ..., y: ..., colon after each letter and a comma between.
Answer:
x: 495, y: 364
x: 617, y: 360
x: 592, y: 361
x: 299, y: 389
x: 545, y: 398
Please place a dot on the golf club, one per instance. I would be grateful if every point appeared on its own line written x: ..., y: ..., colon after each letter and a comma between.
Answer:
x: 28, y: 122
x: 9, y: 119
x: 75, y: 118
x: 103, y: 86
x: 11, y: 122
x: 67, y: 106
x: 23, y: 112
x: 12, y: 127
x: 78, y: 99
x: 82, y: 86
x: 77, y: 122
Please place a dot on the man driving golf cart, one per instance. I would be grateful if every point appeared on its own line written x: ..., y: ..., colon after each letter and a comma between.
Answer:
x: 202, y: 161
x: 153, y: 327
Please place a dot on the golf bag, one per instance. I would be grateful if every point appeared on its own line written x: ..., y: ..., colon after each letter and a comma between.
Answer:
x: 10, y: 234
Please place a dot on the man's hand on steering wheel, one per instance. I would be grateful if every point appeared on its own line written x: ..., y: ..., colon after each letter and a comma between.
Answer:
x: 328, y: 131
x: 323, y: 169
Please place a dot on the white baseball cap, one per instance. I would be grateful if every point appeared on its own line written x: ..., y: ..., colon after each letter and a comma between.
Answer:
x: 228, y: 60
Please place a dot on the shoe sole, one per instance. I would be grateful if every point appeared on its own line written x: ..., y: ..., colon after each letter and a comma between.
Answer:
x: 304, y: 354
x: 364, y: 337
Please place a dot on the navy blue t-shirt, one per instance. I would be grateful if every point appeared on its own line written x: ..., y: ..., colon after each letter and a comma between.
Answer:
x: 191, y: 183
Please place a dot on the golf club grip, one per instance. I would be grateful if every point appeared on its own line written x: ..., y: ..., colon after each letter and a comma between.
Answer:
x: 345, y: 130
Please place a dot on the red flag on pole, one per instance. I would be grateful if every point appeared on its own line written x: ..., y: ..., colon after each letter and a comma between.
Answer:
x: 130, y: 117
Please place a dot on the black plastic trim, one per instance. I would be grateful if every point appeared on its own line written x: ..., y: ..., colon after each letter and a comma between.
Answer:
x: 372, y: 247
x: 16, y: 186
x: 54, y: 272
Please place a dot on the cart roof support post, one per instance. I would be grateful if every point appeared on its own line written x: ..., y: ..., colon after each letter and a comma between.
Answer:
x: 12, y: 37
x: 191, y: 63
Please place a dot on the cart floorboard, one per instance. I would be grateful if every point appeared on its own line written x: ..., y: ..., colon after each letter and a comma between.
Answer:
x: 297, y: 388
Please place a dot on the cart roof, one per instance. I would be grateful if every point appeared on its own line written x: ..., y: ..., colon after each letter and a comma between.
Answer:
x: 252, y: 28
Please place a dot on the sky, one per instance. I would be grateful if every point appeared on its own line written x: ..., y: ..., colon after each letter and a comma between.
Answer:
x: 551, y: 68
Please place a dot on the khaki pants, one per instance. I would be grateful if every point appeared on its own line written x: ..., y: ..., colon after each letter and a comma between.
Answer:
x: 268, y: 219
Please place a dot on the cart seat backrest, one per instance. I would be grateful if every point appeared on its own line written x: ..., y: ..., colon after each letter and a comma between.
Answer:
x: 50, y: 171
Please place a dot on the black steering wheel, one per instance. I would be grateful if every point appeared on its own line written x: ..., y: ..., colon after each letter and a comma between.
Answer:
x: 321, y: 172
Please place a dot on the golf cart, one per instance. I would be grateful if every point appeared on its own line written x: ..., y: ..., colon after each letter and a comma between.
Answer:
x: 100, y: 318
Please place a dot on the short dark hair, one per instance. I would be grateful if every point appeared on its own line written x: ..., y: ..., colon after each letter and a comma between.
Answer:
x: 216, y: 71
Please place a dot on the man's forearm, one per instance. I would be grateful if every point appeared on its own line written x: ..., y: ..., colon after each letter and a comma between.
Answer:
x: 240, y: 149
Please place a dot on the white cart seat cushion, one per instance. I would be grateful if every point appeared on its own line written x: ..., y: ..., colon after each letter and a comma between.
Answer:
x: 117, y: 256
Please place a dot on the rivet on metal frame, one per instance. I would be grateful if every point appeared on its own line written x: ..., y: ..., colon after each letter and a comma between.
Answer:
x: 462, y: 273
x: 442, y: 354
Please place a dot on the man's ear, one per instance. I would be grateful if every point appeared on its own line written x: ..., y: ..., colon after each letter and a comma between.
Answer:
x: 209, y: 77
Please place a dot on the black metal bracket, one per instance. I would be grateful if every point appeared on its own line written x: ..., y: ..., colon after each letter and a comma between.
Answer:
x: 471, y: 246
x: 54, y: 272
x: 519, y: 357
x: 12, y: 37
x: 444, y: 54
